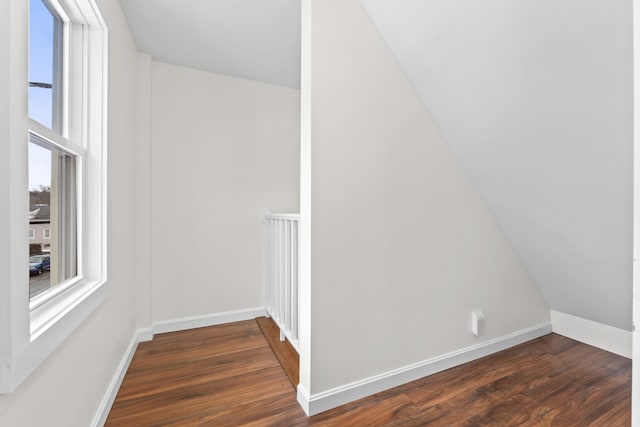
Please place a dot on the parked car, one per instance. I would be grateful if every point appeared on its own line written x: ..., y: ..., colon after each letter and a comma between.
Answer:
x: 39, y: 264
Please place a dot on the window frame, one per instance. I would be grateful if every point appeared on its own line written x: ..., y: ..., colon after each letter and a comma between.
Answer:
x: 31, y: 330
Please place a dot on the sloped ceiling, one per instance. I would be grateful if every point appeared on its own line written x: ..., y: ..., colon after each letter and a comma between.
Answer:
x: 535, y: 99
x: 251, y: 39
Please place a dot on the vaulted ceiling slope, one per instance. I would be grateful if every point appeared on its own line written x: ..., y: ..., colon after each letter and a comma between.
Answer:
x: 252, y: 39
x: 535, y: 99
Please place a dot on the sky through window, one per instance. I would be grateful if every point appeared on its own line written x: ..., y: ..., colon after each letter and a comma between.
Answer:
x: 41, y: 28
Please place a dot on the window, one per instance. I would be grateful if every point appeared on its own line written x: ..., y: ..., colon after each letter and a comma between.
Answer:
x: 55, y: 171
x: 55, y: 154
x: 65, y: 133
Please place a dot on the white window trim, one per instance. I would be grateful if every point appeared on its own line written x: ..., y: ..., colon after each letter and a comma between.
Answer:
x: 32, y: 234
x: 31, y: 331
x: 46, y: 233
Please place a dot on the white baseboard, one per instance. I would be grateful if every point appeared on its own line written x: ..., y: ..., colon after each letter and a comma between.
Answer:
x: 605, y: 337
x: 146, y: 334
x: 303, y: 399
x: 207, y: 320
x: 320, y: 402
x: 116, y: 382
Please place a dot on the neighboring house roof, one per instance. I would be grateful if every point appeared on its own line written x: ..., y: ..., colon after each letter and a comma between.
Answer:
x: 39, y: 214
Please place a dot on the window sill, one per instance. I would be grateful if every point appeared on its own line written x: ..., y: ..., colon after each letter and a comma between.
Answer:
x: 47, y: 311
x: 52, y: 322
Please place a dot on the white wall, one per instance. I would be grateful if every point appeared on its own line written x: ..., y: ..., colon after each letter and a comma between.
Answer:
x: 403, y: 247
x: 535, y: 98
x: 635, y: 390
x: 66, y: 390
x: 222, y: 148
x: 13, y: 124
x: 143, y: 193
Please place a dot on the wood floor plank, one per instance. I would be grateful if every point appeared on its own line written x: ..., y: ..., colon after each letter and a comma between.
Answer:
x: 227, y: 375
x: 167, y: 378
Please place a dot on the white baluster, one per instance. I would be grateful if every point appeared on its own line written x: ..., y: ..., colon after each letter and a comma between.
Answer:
x: 294, y: 279
x: 282, y: 278
x: 274, y: 267
x: 267, y: 267
x: 287, y: 276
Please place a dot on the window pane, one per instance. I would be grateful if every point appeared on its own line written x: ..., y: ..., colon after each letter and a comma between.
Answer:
x: 44, y: 60
x: 52, y: 217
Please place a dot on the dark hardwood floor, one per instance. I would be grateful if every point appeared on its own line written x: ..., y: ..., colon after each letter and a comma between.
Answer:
x: 218, y: 376
x: 227, y: 376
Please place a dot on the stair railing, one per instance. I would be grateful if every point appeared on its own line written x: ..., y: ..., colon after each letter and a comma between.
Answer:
x: 282, y: 278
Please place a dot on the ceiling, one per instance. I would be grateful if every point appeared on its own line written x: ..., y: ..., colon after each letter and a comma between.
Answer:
x: 251, y: 39
x: 535, y: 99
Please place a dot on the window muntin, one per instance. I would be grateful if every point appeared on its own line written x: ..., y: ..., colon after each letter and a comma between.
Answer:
x: 32, y: 234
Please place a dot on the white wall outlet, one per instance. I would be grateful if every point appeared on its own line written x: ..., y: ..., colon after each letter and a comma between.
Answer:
x: 477, y: 322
